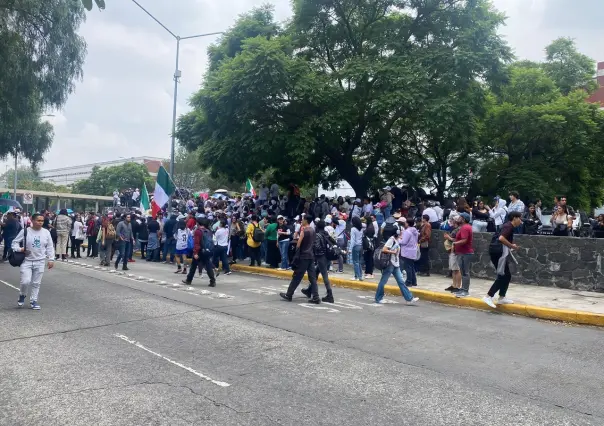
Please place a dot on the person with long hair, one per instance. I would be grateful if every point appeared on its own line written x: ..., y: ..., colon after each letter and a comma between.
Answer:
x: 356, y: 245
x: 562, y: 221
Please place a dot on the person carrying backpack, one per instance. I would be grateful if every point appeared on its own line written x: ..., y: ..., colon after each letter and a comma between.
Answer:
x: 255, y: 236
x: 203, y: 249
x: 320, y: 249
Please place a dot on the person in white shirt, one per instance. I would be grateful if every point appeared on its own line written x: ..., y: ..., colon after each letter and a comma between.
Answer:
x: 433, y: 217
x: 38, y: 249
x: 341, y: 241
x: 222, y: 247
x: 182, y: 246
x: 135, y: 196
x: 439, y: 211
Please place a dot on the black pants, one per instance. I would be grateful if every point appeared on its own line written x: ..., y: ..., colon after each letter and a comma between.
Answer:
x: 75, y: 247
x: 502, y: 282
x: 304, y: 266
x: 235, y: 241
x: 204, y: 261
x: 7, y: 244
x: 255, y: 256
x: 368, y: 254
x: 423, y: 264
x: 143, y: 249
x: 273, y: 256
x: 323, y: 269
x: 92, y: 249
x: 220, y: 255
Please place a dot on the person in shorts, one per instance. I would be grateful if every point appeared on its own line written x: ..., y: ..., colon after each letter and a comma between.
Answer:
x: 182, y: 238
x: 453, y: 265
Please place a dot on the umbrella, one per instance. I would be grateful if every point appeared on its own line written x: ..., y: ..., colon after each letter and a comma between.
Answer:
x: 69, y: 211
x: 224, y: 191
x: 10, y: 203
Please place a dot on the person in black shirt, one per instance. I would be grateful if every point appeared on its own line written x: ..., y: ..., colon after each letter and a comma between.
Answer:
x: 500, y: 261
x: 305, y: 263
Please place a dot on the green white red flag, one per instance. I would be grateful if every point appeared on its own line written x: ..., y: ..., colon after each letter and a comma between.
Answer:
x: 249, y: 187
x: 164, y: 188
x: 145, y: 204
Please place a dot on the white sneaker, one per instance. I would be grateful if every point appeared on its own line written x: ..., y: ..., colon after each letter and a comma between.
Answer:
x: 505, y: 301
x: 489, y: 301
x: 413, y: 301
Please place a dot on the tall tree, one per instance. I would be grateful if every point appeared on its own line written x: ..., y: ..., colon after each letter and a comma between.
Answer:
x: 103, y: 181
x: 188, y: 174
x: 569, y: 68
x: 542, y: 143
x: 41, y: 55
x: 336, y: 92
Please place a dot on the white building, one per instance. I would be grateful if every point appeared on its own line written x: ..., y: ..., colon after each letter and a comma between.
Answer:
x: 70, y: 175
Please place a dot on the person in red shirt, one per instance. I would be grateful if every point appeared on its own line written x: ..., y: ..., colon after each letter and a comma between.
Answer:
x: 202, y: 257
x: 191, y: 221
x: 463, y: 248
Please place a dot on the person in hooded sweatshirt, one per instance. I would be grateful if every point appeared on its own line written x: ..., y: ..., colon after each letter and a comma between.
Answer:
x: 409, y: 244
x: 499, y: 213
x: 38, y: 249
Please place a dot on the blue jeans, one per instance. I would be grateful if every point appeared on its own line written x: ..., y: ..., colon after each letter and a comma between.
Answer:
x: 169, y: 248
x: 263, y: 251
x: 284, y: 250
x: 356, y: 261
x: 220, y: 254
x: 398, y: 276
x: 123, y: 249
x: 387, y: 211
x: 465, y: 261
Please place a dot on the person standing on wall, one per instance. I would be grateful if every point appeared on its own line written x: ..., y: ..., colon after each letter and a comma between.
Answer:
x: 38, y: 249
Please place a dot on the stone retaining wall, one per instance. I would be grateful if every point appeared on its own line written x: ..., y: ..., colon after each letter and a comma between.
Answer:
x: 565, y: 262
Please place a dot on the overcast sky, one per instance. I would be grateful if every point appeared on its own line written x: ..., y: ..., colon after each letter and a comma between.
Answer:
x: 123, y: 106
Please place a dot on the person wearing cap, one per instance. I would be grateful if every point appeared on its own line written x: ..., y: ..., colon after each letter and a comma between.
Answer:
x: 464, y: 250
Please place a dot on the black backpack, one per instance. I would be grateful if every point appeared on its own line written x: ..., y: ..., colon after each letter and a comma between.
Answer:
x: 258, y: 235
x: 381, y: 260
x: 495, y: 247
x: 319, y: 248
x: 16, y: 258
x: 368, y: 243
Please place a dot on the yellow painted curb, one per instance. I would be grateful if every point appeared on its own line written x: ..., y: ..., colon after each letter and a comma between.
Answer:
x: 577, y: 317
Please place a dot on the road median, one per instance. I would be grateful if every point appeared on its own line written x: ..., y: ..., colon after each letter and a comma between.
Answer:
x: 531, y: 311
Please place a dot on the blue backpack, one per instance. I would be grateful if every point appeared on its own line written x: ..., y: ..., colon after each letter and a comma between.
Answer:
x: 190, y: 242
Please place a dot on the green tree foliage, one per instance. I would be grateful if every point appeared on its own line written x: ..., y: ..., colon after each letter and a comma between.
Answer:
x: 103, y: 181
x: 41, y: 55
x: 542, y: 143
x: 337, y: 92
x: 188, y: 174
x: 88, y: 4
x: 568, y: 68
x: 28, y: 178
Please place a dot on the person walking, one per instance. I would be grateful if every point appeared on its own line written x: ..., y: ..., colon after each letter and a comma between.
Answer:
x: 182, y: 241
x: 393, y: 248
x: 10, y: 229
x: 124, y: 236
x: 322, y: 240
x: 63, y: 225
x: 464, y: 251
x: 305, y: 263
x: 202, y: 252
x: 37, y: 245
x: 500, y: 253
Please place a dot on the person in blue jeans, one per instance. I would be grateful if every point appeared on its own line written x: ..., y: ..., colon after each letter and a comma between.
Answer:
x: 284, y: 235
x: 124, y: 235
x: 392, y: 248
x: 356, y: 245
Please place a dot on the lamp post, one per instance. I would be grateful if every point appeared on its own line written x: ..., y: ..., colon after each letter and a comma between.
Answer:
x: 177, y: 75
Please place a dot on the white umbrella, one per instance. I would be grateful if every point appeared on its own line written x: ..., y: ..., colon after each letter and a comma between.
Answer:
x: 221, y: 190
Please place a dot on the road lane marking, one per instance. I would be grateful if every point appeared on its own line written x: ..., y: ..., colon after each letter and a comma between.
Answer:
x: 178, y: 364
x: 10, y: 285
x: 322, y: 308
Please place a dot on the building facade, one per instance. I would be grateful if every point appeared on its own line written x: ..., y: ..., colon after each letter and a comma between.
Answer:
x: 70, y: 175
x: 598, y: 96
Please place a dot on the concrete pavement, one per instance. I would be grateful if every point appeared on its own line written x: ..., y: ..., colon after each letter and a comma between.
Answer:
x: 114, y: 349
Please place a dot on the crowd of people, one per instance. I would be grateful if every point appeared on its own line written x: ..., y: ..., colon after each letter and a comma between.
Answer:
x: 287, y: 232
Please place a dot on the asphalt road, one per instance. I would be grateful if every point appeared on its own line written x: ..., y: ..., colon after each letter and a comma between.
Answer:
x: 110, y: 349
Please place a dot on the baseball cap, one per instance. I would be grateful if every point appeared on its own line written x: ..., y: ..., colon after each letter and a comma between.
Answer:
x: 297, y: 218
x: 387, y: 188
x: 396, y: 215
x: 280, y: 217
x: 466, y: 216
x: 328, y: 220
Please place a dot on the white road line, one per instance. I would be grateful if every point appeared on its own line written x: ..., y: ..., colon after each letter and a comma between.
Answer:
x: 184, y: 367
x: 10, y: 285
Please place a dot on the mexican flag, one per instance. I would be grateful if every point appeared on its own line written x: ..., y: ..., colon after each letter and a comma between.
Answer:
x: 164, y: 188
x: 145, y: 204
x: 249, y: 187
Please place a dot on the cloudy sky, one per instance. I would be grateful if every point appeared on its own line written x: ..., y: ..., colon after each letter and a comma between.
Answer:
x: 123, y: 106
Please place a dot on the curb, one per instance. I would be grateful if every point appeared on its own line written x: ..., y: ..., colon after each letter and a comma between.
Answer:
x: 540, y: 312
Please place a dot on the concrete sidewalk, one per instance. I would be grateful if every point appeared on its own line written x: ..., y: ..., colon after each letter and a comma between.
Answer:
x: 548, y: 303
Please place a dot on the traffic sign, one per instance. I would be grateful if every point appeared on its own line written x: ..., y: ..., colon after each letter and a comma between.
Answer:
x: 28, y: 198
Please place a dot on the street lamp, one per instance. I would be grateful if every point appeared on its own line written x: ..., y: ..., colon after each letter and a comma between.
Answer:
x: 177, y: 75
x: 15, y: 173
